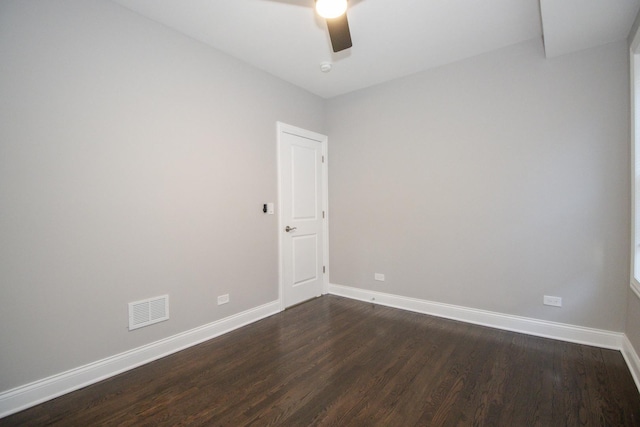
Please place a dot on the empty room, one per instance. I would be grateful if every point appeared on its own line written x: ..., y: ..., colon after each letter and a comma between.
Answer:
x: 274, y: 212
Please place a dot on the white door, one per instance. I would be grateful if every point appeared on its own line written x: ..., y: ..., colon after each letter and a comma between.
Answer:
x: 302, y: 226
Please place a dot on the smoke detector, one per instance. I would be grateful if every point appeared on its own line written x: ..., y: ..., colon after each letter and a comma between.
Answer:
x: 325, y: 67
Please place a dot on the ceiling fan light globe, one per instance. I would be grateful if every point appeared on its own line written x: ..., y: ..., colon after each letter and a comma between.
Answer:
x: 331, y: 8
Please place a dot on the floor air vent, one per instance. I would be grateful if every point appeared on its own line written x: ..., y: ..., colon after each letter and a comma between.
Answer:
x: 149, y: 311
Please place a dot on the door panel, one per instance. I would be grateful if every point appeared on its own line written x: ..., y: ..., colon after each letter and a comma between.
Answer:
x: 305, y: 256
x: 304, y: 181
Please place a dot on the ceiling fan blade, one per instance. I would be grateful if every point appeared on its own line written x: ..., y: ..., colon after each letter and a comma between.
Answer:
x: 339, y: 33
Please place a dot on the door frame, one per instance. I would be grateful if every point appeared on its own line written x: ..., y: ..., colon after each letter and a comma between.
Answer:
x: 323, y: 140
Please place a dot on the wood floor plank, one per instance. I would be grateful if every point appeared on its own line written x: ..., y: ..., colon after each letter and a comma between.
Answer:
x: 334, y: 361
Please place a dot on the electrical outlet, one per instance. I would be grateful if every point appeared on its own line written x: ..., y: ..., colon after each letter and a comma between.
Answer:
x: 379, y: 277
x: 223, y: 299
x: 554, y: 301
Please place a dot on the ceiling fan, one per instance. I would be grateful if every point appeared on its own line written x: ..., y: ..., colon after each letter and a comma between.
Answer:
x: 335, y: 13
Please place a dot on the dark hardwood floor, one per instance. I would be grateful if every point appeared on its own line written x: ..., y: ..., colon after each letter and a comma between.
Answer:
x: 334, y: 361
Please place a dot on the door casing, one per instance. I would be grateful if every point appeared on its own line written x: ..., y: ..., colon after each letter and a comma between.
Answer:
x: 323, y: 140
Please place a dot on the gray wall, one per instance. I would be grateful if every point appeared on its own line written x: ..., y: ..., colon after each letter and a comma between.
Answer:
x: 133, y: 162
x: 489, y: 183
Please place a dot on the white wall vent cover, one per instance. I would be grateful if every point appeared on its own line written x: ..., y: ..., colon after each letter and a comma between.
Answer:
x: 149, y: 311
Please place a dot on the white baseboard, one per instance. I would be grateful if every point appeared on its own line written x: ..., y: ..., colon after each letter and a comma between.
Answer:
x: 28, y: 395
x: 632, y: 359
x: 541, y: 328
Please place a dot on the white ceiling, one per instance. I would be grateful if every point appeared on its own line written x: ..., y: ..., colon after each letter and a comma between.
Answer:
x: 390, y: 38
x: 572, y: 25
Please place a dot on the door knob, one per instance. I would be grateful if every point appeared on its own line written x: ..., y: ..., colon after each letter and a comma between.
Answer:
x: 288, y: 229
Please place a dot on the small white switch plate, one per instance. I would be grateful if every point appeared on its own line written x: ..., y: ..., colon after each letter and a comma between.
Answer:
x: 270, y: 209
x: 554, y: 301
x: 379, y: 277
x: 223, y: 299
